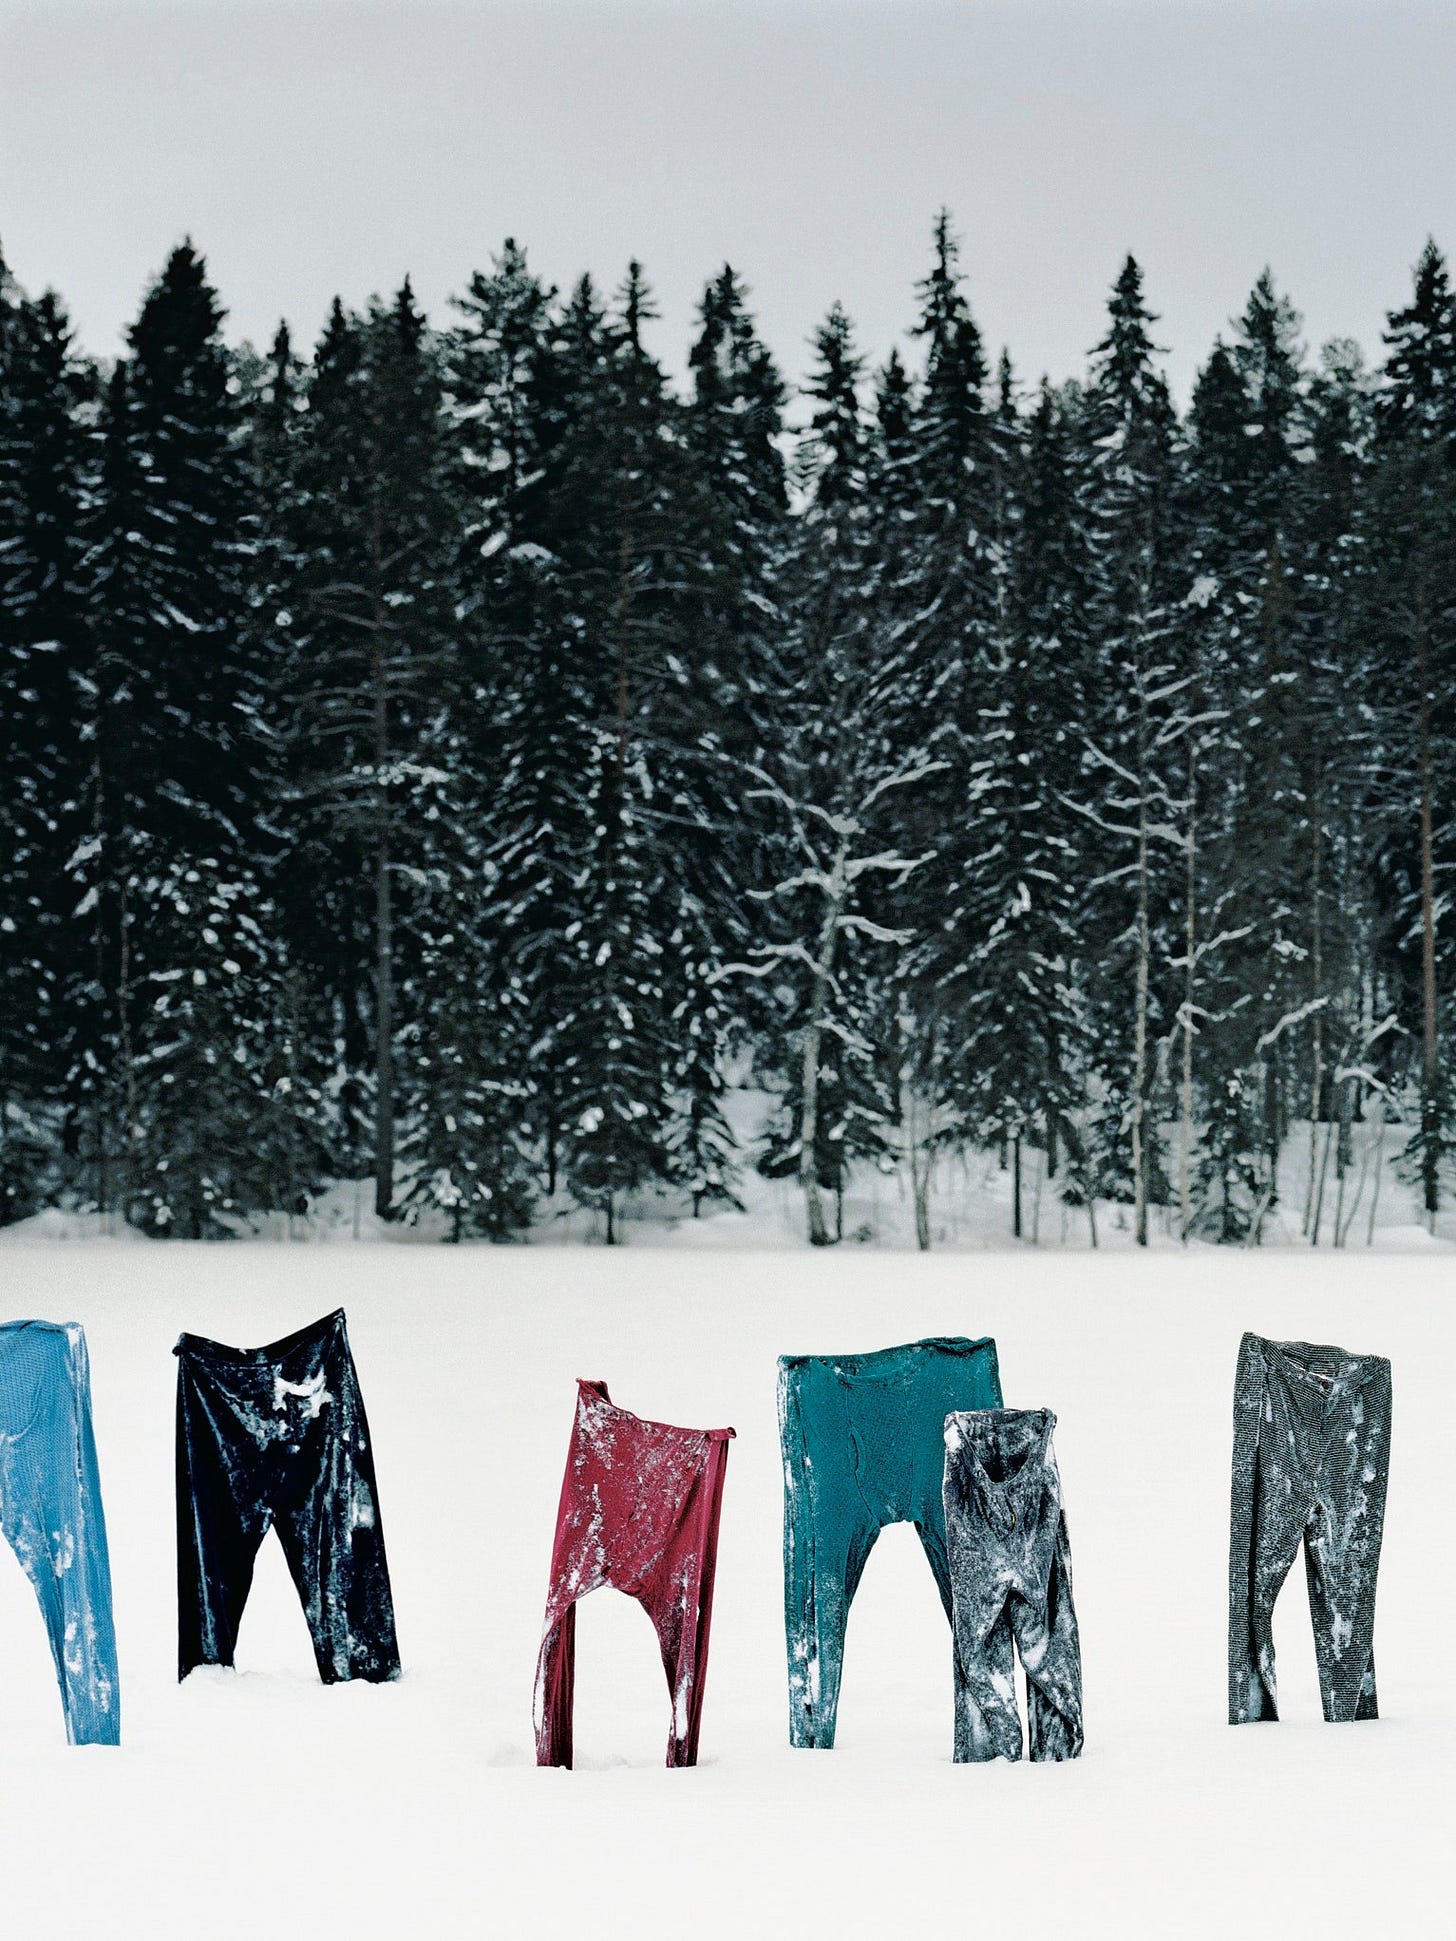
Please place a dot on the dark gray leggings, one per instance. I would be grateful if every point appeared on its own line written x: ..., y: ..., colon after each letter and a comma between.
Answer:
x: 1011, y: 1583
x: 1311, y: 1455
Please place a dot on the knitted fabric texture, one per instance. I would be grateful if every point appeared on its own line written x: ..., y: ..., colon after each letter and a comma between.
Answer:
x: 862, y: 1448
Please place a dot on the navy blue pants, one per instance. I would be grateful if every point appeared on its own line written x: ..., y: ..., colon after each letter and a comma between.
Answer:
x: 269, y: 1438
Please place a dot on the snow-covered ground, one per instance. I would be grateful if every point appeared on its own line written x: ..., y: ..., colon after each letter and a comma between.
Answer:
x: 260, y: 1803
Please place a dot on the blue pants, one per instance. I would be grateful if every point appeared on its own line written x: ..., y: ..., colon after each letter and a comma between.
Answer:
x: 864, y: 1445
x: 50, y: 1511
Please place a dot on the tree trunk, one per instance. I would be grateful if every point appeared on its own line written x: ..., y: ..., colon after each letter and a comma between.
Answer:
x: 1140, y: 1037
x: 1375, y: 1183
x: 101, y: 1155
x: 1316, y: 1023
x: 809, y: 1079
x: 551, y: 1130
x: 1273, y: 1127
x: 1345, y: 1107
x: 919, y: 1158
x: 1016, y: 1184
x: 1430, y: 1079
x: 624, y: 601
x: 383, y: 906
x: 809, y: 1129
x: 290, y: 1104
x: 383, y: 1029
x: 1342, y: 1232
x: 1319, y: 1197
x: 1190, y: 910
x: 128, y: 1066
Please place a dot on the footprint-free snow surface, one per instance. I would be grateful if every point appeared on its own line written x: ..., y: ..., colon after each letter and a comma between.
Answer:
x: 260, y: 1802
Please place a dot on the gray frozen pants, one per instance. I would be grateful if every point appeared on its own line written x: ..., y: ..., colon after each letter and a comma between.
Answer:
x: 1011, y: 1583
x: 1311, y: 1455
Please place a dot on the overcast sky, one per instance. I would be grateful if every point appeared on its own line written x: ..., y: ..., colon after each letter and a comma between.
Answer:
x: 312, y: 147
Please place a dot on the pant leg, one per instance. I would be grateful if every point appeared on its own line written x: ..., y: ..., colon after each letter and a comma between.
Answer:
x: 1269, y: 1503
x: 51, y: 1513
x: 681, y: 1607
x: 987, y: 1722
x: 556, y: 1691
x: 968, y: 1378
x: 828, y: 1535
x: 222, y: 1517
x: 581, y: 1560
x: 1051, y: 1654
x: 332, y: 1536
x: 1342, y: 1551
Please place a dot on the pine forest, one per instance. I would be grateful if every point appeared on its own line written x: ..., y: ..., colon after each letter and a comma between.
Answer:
x: 460, y: 757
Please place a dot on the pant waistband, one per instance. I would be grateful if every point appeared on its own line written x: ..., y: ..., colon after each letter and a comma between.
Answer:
x: 888, y: 1364
x: 198, y: 1347
x: 1326, y: 1370
x: 593, y: 1395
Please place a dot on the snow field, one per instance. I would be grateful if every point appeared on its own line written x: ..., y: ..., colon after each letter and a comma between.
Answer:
x: 259, y: 1800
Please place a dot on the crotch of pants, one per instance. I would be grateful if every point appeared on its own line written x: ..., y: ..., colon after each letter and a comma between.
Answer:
x: 639, y: 1510
x: 277, y: 1437
x: 50, y: 1511
x: 1311, y: 1459
x: 1011, y: 1582
x: 862, y: 1445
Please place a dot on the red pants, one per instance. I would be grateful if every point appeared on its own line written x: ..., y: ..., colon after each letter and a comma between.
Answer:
x: 639, y: 1511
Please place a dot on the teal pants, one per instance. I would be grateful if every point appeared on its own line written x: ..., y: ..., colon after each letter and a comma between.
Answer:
x: 864, y: 1445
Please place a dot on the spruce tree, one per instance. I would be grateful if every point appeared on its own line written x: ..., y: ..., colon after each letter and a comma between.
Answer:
x: 370, y: 683
x: 941, y: 573
x: 168, y: 875
x: 613, y: 492
x: 1136, y: 718
x: 45, y: 480
x: 832, y: 787
x: 1413, y: 608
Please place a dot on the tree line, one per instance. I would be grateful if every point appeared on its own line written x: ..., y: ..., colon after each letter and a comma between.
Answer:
x: 449, y: 756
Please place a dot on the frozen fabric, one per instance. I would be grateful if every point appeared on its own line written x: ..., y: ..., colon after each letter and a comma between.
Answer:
x: 863, y: 1446
x: 50, y: 1511
x: 1311, y: 1459
x: 639, y: 1510
x: 277, y: 1437
x: 1011, y: 1584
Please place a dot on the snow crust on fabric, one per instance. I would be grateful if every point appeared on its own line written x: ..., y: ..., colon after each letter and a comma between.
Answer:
x: 1311, y: 1463
x: 862, y: 1438
x: 417, y: 1809
x: 1011, y: 1587
x: 640, y: 1506
x: 276, y: 1438
x: 51, y: 1514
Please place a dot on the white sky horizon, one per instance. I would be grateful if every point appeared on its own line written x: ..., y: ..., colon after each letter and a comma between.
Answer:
x: 321, y: 147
